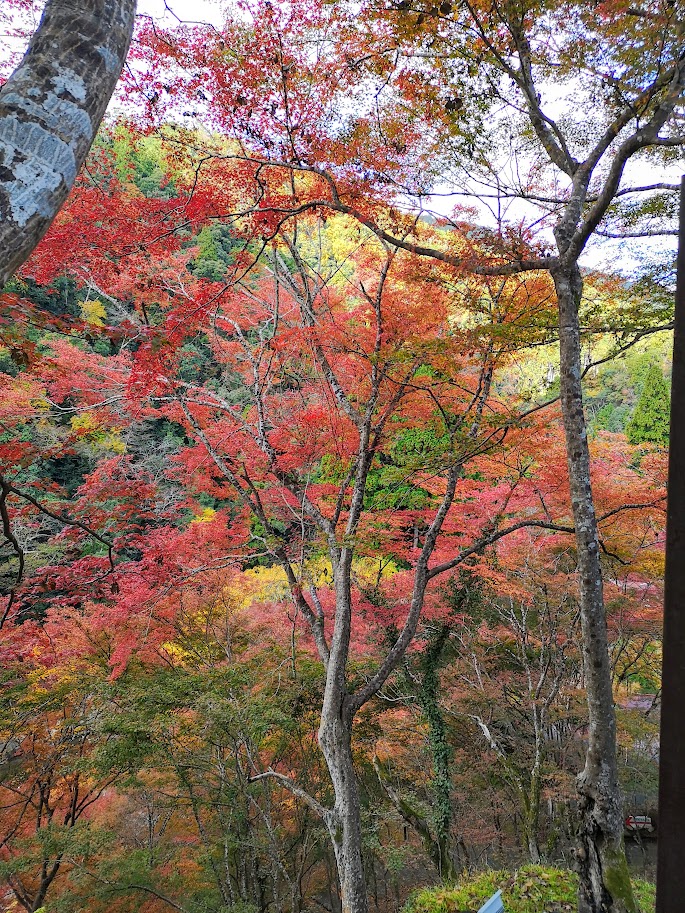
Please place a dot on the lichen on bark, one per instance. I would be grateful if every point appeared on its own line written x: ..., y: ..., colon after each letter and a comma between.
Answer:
x: 50, y: 110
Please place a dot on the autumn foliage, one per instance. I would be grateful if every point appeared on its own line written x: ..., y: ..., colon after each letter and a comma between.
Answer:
x: 251, y: 398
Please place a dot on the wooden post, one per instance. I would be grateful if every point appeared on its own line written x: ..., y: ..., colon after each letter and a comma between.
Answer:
x: 670, y: 879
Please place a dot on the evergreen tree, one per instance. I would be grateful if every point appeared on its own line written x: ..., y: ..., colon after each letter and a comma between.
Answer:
x: 650, y: 421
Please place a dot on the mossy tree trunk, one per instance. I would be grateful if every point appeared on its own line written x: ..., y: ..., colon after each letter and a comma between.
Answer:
x: 441, y: 754
x: 447, y: 854
x: 604, y: 879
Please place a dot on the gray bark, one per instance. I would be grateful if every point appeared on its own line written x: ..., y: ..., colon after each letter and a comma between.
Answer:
x: 603, y: 870
x: 344, y: 819
x: 50, y: 110
x: 335, y: 740
x: 532, y: 818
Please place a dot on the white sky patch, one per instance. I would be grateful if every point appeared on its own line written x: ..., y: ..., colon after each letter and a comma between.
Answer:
x: 168, y: 13
x: 626, y: 255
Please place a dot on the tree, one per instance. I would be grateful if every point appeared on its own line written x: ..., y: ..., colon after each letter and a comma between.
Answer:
x: 523, y: 666
x: 649, y: 422
x: 49, y: 785
x: 436, y: 833
x: 294, y: 144
x: 50, y: 110
x: 478, y: 74
x: 356, y: 378
x: 196, y: 728
x: 340, y: 421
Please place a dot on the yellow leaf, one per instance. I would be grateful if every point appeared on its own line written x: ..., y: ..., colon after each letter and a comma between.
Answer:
x: 94, y: 312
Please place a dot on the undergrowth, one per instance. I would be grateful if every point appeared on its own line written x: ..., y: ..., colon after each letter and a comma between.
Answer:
x: 531, y: 889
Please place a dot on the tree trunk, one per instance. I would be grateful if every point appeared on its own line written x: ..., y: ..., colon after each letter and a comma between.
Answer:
x: 50, y: 110
x: 532, y: 815
x: 441, y: 752
x: 436, y: 848
x: 344, y: 820
x: 530, y: 824
x: 437, y: 839
x: 604, y: 879
x: 533, y: 849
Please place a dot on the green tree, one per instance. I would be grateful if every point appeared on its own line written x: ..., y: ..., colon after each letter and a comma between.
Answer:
x: 649, y: 422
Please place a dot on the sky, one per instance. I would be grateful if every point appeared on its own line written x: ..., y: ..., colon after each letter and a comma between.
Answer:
x: 189, y: 10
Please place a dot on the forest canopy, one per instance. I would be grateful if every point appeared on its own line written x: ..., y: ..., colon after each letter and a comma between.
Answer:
x: 333, y: 463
